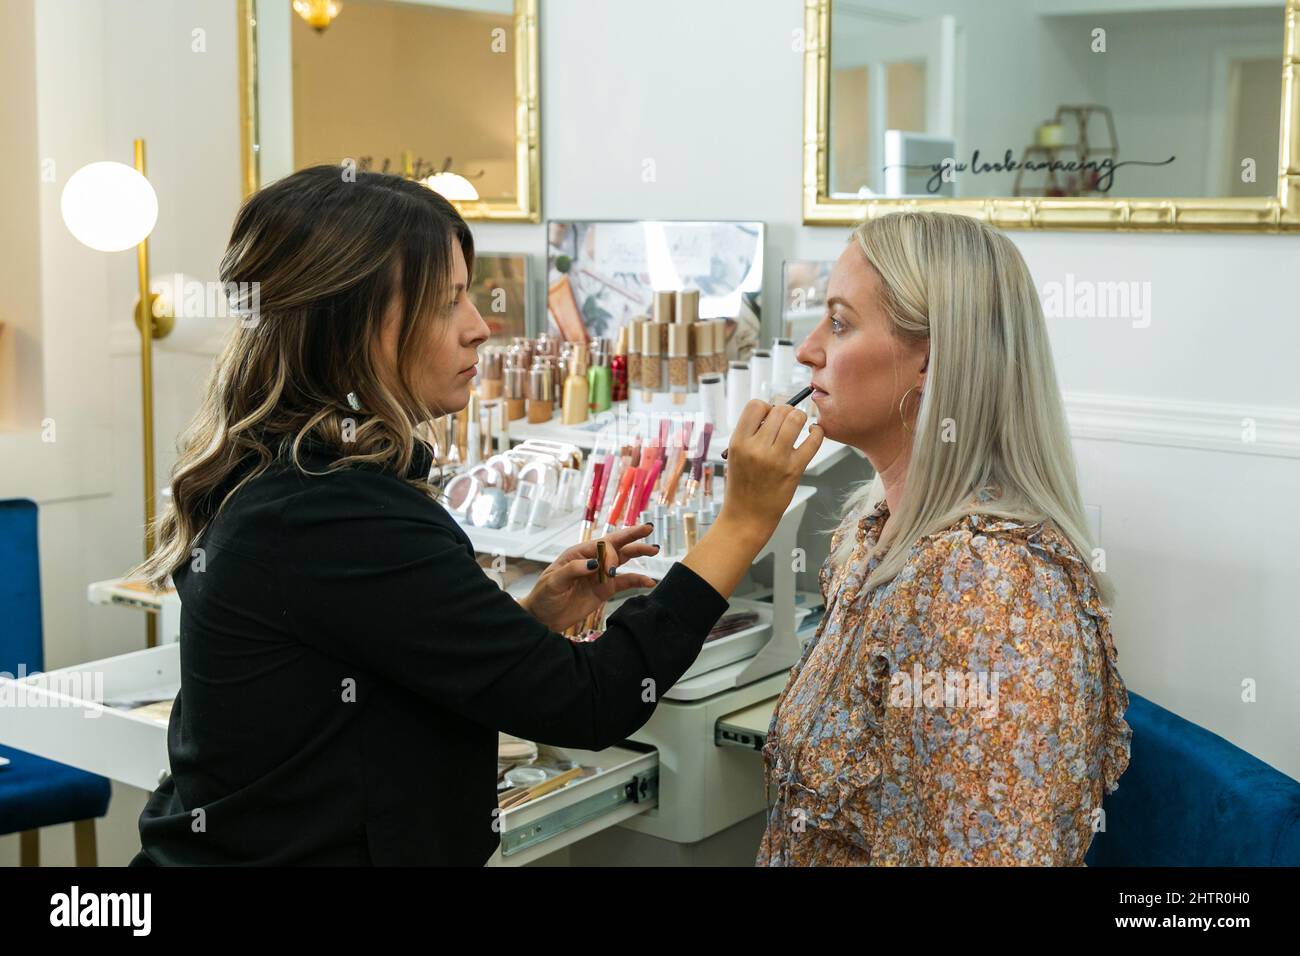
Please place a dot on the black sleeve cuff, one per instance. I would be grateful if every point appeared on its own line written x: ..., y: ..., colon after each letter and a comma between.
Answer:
x: 690, y: 599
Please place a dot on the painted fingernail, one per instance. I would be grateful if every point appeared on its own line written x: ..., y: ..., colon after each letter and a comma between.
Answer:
x: 649, y: 524
x: 591, y: 564
x: 655, y: 546
x: 613, y: 571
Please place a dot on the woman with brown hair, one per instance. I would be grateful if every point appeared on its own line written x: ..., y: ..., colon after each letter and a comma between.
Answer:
x: 345, y: 663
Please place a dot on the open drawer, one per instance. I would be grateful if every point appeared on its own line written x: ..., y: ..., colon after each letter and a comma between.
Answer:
x: 625, y: 783
x: 66, y: 714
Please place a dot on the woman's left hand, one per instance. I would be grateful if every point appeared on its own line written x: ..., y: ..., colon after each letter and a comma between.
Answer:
x: 569, y: 590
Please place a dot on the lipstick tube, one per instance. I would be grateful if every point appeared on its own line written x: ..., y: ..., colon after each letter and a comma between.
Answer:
x: 620, y: 499
x: 670, y: 485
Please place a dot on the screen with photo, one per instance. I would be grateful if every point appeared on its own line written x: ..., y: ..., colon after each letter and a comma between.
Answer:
x: 602, y: 275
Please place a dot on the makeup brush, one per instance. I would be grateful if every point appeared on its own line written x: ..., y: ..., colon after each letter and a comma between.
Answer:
x: 798, y: 397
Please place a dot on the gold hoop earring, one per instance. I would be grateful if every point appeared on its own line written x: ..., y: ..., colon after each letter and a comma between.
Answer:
x: 901, y: 416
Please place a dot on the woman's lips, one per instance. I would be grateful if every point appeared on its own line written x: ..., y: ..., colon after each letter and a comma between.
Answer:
x: 471, y: 371
x: 818, y: 393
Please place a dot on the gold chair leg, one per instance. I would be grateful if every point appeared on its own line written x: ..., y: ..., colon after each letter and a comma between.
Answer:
x: 29, y: 848
x: 84, y: 837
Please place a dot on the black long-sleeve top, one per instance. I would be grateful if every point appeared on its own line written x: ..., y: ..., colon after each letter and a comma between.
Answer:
x: 346, y: 666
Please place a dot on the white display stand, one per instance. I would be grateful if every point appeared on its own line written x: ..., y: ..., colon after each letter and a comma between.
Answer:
x: 618, y: 426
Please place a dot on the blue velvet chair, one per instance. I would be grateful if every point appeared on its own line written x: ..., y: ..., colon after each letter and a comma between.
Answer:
x: 1191, y: 798
x: 35, y: 792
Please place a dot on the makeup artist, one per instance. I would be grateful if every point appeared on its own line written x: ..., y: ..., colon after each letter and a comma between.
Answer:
x: 346, y: 665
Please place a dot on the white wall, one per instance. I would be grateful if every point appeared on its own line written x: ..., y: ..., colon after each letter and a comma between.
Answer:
x: 1201, y: 533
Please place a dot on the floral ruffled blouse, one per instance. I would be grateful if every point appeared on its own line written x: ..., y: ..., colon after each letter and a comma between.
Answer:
x: 970, y: 712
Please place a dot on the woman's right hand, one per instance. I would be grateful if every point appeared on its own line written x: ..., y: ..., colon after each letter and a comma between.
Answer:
x: 763, y: 464
x: 763, y: 470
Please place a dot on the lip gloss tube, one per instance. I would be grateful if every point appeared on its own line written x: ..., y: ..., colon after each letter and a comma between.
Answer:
x: 634, y: 496
x: 589, y: 517
x: 647, y: 489
x: 620, y: 499
x: 688, y: 524
x: 670, y: 485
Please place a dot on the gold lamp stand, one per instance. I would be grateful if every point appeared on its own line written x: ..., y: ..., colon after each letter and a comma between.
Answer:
x: 151, y: 326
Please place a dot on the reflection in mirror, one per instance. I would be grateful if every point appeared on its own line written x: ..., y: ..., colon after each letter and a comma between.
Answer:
x: 437, y: 90
x: 1055, y: 98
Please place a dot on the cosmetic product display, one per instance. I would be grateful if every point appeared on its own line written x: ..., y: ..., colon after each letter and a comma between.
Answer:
x: 665, y: 306
x: 573, y: 407
x: 618, y: 368
x: 738, y: 392
x: 652, y: 371
x: 524, y: 494
x: 713, y: 398
x: 760, y: 374
x: 702, y: 350
x: 782, y: 366
x: 472, y: 450
x: 719, y: 345
x: 541, y: 396
x: 679, y: 356
x: 600, y: 382
x: 518, y: 359
x: 687, y: 308
x: 491, y: 373
x: 634, y: 355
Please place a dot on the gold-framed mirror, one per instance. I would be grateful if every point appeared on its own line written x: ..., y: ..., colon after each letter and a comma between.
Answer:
x: 1055, y: 114
x: 366, y: 81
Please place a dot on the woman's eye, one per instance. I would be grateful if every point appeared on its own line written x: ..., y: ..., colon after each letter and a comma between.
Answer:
x: 451, y: 306
x: 836, y: 325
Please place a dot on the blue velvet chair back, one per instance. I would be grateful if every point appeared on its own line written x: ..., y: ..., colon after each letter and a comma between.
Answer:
x: 20, y: 588
x: 1191, y: 798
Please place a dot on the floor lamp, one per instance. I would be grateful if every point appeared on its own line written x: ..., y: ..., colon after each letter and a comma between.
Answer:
x: 111, y: 207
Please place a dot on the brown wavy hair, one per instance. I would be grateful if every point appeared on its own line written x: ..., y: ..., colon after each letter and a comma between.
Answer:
x: 327, y: 250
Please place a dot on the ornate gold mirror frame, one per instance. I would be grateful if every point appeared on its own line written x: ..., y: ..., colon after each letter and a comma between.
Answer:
x: 525, y: 206
x: 1227, y: 214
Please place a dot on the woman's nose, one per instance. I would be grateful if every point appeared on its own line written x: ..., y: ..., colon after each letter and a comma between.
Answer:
x: 479, y: 331
x: 808, y: 353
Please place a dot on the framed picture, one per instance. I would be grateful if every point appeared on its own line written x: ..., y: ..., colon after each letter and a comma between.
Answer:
x: 602, y: 275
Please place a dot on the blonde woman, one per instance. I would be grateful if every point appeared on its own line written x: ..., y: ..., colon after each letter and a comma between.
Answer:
x: 960, y: 704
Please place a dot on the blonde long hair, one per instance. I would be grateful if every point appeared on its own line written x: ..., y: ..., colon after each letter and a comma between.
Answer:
x: 326, y: 249
x: 991, y: 380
